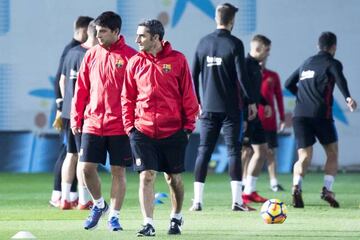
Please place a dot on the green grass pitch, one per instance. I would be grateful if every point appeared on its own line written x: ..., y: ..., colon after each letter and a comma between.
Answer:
x: 24, y: 207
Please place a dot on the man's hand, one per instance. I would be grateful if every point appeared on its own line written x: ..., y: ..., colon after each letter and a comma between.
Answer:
x: 244, y: 126
x: 76, y: 130
x: 252, y: 111
x: 188, y: 133
x: 267, y: 111
x: 351, y: 103
x: 281, y: 126
x: 58, y: 124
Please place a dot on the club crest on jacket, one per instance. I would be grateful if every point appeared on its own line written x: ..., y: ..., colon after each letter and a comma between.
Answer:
x: 119, y: 63
x: 166, y: 68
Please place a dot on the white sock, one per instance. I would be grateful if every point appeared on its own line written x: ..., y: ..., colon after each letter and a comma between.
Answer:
x: 114, y: 213
x: 73, y: 196
x: 244, y: 180
x: 236, y: 192
x: 177, y: 216
x: 273, y: 182
x: 198, y: 192
x: 65, y: 191
x: 84, y: 195
x: 250, y: 185
x: 329, y: 181
x: 297, y: 180
x: 148, y: 220
x: 55, y: 195
x: 100, y: 203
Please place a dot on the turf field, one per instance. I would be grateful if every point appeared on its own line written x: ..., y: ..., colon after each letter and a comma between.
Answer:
x: 24, y: 207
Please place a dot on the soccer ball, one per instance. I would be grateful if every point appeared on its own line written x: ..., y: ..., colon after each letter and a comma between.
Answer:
x: 273, y: 211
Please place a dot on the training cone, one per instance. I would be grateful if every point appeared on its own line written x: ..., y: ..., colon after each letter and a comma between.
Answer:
x: 23, y: 235
x: 158, y: 201
x: 161, y: 195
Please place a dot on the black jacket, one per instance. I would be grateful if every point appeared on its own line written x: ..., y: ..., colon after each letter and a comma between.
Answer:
x: 220, y: 59
x: 313, y: 85
x: 70, y: 45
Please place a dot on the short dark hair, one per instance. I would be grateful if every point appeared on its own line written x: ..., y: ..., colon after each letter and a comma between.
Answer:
x: 110, y: 20
x: 92, y: 28
x: 155, y: 27
x: 261, y: 39
x: 82, y: 22
x: 226, y: 13
x: 326, y: 40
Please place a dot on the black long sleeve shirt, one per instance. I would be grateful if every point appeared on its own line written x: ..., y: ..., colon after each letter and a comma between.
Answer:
x: 255, y: 77
x: 70, y: 45
x: 220, y: 59
x: 313, y: 85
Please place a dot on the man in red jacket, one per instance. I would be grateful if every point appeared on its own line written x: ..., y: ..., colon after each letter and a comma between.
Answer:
x: 159, y: 112
x: 96, y: 113
x: 270, y: 90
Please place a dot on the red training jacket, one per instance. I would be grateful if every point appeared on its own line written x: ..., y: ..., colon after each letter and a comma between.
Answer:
x: 158, y: 96
x: 98, y: 87
x: 270, y: 87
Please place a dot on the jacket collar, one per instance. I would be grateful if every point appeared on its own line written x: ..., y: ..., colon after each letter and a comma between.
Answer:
x: 252, y: 59
x: 222, y: 31
x: 325, y: 53
x: 116, y: 45
x: 166, y: 50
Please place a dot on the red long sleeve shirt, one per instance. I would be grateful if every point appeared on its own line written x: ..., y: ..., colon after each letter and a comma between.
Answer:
x: 270, y: 90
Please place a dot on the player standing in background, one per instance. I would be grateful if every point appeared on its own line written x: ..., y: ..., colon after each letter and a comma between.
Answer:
x: 96, y: 113
x: 219, y: 58
x: 67, y: 82
x: 79, y: 36
x: 159, y: 112
x: 270, y: 89
x: 313, y: 85
x: 259, y: 50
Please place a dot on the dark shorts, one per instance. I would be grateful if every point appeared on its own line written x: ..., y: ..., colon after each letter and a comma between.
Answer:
x: 73, y: 142
x: 308, y: 129
x: 95, y: 148
x: 271, y: 139
x: 161, y: 155
x: 254, y: 134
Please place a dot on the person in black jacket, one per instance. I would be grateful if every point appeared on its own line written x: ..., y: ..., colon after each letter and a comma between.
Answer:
x: 313, y: 84
x: 220, y: 59
x: 260, y: 47
x: 79, y: 36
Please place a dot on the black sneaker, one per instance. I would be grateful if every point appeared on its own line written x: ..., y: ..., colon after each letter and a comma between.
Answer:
x: 277, y: 188
x: 329, y: 197
x: 196, y: 207
x: 147, y: 231
x: 297, y: 197
x: 175, y: 226
x: 243, y: 207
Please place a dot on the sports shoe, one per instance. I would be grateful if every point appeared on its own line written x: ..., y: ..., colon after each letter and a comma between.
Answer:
x: 297, y: 197
x: 175, y: 226
x: 95, y: 214
x: 147, y: 231
x: 196, y: 207
x: 65, y: 205
x: 55, y: 203
x: 329, y: 196
x: 86, y: 206
x: 242, y: 207
x: 277, y: 188
x: 74, y: 203
x: 114, y: 225
x: 253, y: 197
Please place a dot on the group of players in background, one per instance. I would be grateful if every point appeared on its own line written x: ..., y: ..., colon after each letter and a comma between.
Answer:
x: 139, y: 108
